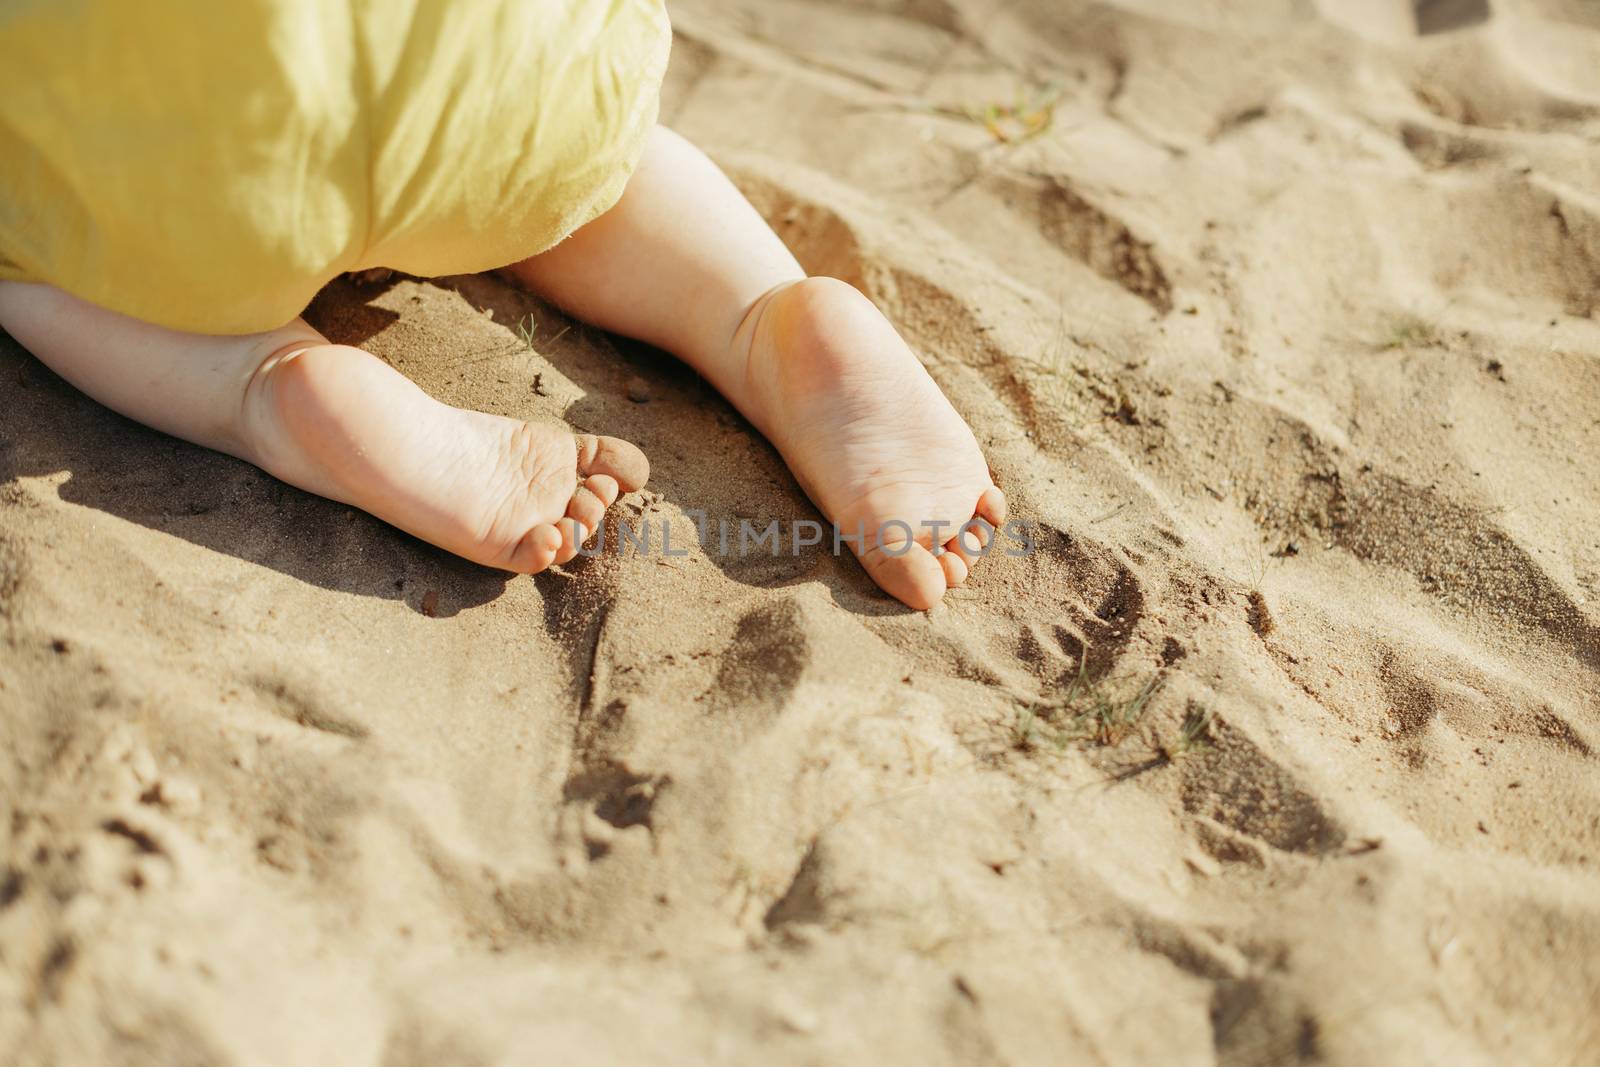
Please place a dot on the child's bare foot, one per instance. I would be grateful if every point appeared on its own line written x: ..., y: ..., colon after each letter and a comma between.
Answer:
x: 509, y: 494
x: 340, y: 422
x: 684, y: 262
x: 868, y: 434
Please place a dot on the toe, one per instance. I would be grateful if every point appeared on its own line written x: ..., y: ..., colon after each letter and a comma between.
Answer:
x: 588, y: 505
x: 573, y: 535
x: 906, y: 571
x: 537, y: 549
x: 613, y: 457
x: 992, y: 506
x: 972, y: 540
x: 955, y: 569
x: 603, y: 486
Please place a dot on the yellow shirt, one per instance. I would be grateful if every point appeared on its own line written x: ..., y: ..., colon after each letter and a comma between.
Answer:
x: 208, y: 166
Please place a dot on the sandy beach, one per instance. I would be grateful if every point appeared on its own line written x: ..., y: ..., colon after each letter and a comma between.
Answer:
x: 1278, y: 323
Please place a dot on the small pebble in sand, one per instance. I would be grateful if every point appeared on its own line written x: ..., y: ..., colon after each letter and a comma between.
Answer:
x: 178, y: 794
x: 430, y: 602
x: 638, y: 390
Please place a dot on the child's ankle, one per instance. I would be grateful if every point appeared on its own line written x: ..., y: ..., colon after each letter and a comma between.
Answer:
x: 262, y: 431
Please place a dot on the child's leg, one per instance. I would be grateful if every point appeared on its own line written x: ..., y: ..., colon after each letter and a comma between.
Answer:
x: 340, y: 422
x: 685, y: 263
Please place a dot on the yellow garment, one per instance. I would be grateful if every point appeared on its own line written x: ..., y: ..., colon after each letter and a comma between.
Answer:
x: 208, y: 166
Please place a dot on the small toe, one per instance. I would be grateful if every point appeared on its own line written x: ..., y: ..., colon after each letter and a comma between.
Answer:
x: 955, y: 569
x: 588, y: 505
x: 992, y: 506
x: 603, y: 486
x: 972, y: 540
x: 908, y: 572
x: 613, y: 457
x: 537, y: 549
x: 573, y: 535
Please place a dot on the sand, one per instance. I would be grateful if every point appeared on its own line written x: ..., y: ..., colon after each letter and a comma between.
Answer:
x: 1282, y: 330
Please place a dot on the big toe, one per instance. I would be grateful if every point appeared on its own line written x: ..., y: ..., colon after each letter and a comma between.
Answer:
x: 908, y: 572
x: 614, y: 458
x: 992, y: 506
